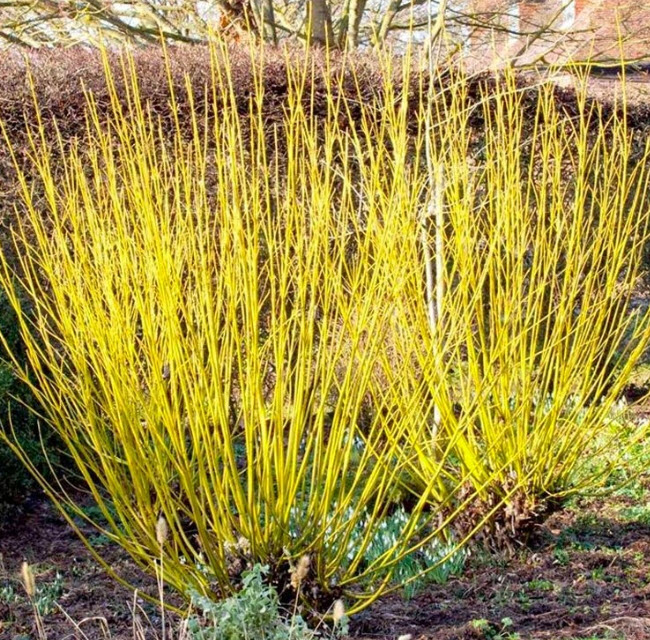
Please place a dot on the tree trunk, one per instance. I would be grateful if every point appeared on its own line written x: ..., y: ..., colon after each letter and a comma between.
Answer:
x: 320, y: 18
x: 268, y: 17
x: 389, y: 15
x: 357, y: 7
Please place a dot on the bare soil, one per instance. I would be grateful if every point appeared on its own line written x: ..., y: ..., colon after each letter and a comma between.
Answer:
x: 42, y: 537
x: 586, y: 574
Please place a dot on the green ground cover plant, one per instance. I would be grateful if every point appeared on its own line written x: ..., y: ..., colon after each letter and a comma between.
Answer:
x: 18, y: 484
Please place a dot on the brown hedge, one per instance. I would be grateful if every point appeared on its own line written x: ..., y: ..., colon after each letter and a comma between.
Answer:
x: 60, y: 77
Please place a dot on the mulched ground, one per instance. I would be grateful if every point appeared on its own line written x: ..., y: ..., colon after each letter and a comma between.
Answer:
x: 585, y: 575
x: 41, y: 537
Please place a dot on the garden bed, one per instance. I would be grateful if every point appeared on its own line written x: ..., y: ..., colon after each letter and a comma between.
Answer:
x: 585, y: 575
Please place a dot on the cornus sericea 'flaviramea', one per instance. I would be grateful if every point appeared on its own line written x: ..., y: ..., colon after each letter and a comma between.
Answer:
x: 535, y: 331
x: 208, y: 320
x: 229, y: 327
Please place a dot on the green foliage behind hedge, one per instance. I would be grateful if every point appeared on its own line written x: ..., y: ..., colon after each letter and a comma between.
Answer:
x: 16, y: 482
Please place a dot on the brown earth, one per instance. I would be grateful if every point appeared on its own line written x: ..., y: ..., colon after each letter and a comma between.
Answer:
x: 586, y: 574
x: 41, y: 537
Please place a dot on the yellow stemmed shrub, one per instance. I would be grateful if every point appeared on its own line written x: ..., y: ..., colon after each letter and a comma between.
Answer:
x: 536, y: 329
x: 234, y: 331
x: 208, y: 318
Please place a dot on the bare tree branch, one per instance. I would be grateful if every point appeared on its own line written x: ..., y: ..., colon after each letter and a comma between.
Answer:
x: 521, y: 38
